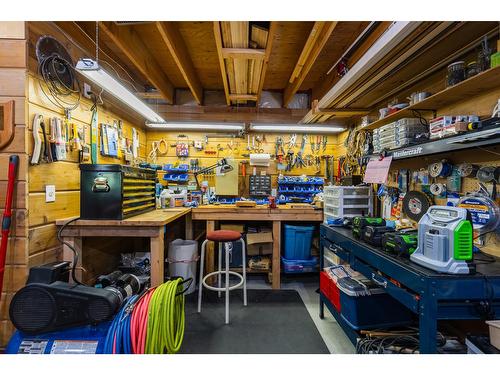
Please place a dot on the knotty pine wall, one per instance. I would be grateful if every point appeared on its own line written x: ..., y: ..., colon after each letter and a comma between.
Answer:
x: 13, y: 57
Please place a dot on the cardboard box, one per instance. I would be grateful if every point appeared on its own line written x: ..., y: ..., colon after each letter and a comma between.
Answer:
x: 236, y: 227
x: 259, y: 243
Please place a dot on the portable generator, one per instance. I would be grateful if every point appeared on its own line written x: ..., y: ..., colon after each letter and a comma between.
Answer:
x: 444, y: 240
x: 360, y: 222
x: 373, y: 234
x: 400, y: 243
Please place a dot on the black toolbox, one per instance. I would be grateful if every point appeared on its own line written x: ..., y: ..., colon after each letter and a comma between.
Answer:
x: 116, y: 192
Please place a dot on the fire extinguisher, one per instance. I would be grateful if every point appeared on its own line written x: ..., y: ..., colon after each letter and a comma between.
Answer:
x: 7, y: 214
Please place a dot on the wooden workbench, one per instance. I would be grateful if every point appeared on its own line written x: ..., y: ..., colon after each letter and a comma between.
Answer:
x: 151, y: 225
x: 284, y: 213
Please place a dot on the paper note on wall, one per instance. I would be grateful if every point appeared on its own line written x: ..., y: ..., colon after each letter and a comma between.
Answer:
x: 377, y: 170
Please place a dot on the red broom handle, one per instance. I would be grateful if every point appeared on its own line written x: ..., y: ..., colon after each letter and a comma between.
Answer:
x: 7, y: 215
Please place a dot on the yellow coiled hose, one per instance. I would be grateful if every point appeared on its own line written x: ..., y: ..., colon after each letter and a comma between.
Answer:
x: 165, y: 330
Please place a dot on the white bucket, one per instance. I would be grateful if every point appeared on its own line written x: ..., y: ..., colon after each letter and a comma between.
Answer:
x: 182, y: 259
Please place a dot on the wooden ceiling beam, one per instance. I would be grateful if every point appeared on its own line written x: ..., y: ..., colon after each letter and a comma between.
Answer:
x: 236, y: 97
x: 319, y: 35
x: 218, y: 44
x: 130, y: 43
x: 177, y: 47
x: 243, y: 53
x: 337, y: 112
x: 269, y: 46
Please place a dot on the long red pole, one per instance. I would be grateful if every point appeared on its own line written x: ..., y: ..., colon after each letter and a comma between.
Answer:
x: 7, y: 215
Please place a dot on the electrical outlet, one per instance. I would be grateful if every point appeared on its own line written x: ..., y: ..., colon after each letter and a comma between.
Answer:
x: 86, y: 90
x: 50, y: 193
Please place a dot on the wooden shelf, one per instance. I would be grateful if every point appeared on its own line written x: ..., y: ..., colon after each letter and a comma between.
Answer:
x: 471, y: 87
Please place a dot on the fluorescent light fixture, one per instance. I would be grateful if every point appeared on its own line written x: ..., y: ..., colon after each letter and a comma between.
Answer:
x: 91, y: 70
x: 295, y: 128
x: 201, y: 126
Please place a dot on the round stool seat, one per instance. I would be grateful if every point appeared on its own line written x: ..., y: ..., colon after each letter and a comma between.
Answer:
x: 223, y: 236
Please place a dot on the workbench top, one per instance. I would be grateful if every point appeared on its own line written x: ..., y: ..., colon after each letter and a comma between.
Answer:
x: 158, y: 217
x: 262, y: 212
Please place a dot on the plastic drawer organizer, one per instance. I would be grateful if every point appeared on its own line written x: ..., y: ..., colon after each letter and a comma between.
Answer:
x: 347, y: 201
x: 297, y: 188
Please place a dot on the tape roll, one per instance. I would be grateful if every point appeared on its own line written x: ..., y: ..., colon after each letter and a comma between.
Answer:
x: 437, y: 189
x: 467, y: 170
x: 440, y: 169
x: 486, y: 174
x: 416, y: 204
x: 484, y: 211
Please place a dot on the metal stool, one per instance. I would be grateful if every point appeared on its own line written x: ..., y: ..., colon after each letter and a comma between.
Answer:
x: 225, y: 237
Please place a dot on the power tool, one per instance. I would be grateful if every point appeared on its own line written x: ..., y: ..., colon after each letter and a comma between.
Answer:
x: 360, y: 222
x: 445, y: 240
x: 401, y: 243
x: 373, y: 234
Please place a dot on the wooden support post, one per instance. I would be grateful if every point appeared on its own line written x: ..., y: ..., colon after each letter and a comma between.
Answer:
x: 189, y: 227
x: 68, y: 255
x: 276, y: 254
x: 158, y: 258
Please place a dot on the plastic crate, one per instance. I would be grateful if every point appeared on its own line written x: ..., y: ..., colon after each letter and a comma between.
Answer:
x: 378, y: 310
x: 299, y: 266
x: 329, y: 288
x: 298, y: 240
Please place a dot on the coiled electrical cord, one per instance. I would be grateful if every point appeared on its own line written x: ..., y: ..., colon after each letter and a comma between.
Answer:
x: 165, y: 326
x: 139, y: 323
x: 61, y: 86
x: 118, y: 337
x: 75, y: 253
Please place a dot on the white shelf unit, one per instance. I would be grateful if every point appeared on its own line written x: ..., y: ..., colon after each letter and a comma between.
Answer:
x: 347, y: 201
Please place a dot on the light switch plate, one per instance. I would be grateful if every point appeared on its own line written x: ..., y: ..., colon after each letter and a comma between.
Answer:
x: 50, y: 193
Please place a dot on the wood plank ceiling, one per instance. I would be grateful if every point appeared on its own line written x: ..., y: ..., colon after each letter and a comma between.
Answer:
x: 240, y: 58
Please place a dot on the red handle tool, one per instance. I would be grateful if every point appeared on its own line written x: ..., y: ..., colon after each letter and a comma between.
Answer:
x: 7, y: 214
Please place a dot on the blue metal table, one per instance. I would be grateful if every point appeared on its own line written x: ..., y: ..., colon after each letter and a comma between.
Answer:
x: 431, y: 295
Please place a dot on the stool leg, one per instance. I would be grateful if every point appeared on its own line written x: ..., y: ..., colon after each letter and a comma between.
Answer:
x: 227, y: 283
x: 202, y: 263
x: 243, y: 255
x: 219, y: 276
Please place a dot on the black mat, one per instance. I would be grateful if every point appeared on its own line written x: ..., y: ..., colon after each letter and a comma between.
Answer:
x: 274, y: 321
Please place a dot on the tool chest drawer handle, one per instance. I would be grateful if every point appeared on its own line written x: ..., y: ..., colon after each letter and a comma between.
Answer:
x: 333, y: 248
x: 382, y: 283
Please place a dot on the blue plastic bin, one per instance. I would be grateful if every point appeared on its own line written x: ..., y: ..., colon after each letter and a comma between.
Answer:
x: 378, y: 310
x: 300, y: 266
x: 298, y: 241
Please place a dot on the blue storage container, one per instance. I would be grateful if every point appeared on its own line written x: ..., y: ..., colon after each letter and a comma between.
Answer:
x: 376, y: 310
x: 298, y: 240
x: 300, y: 266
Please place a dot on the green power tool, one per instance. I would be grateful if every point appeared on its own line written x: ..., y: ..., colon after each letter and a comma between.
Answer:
x: 360, y: 222
x: 401, y: 243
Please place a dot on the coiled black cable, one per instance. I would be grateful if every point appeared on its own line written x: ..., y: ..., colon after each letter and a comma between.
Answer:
x: 75, y: 252
x: 61, y: 88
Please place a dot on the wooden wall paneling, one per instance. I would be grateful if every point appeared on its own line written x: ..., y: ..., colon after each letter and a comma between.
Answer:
x: 12, y: 30
x: 18, y: 144
x: 19, y: 196
x: 41, y: 238
x: 6, y: 331
x: 19, y: 108
x: 12, y: 82
x: 13, y: 53
x: 46, y: 256
x: 17, y: 251
x: 5, y: 299
x: 18, y: 226
x: 4, y: 166
x: 64, y: 175
x: 14, y: 277
x: 67, y: 204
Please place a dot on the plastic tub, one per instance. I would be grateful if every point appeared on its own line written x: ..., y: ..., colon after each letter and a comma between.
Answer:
x: 182, y: 259
x: 299, y: 266
x: 298, y: 241
x: 377, y: 310
x: 494, y: 332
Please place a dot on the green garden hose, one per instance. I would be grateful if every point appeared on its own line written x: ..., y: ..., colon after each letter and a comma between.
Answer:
x: 165, y: 330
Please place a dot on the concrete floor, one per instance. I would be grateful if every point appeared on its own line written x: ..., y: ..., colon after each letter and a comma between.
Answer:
x: 332, y: 334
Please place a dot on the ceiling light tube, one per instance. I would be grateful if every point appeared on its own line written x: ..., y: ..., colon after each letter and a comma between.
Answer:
x: 90, y: 69
x: 201, y: 126
x: 296, y: 128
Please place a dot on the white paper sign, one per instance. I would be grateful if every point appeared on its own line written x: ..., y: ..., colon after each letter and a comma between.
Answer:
x: 377, y: 170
